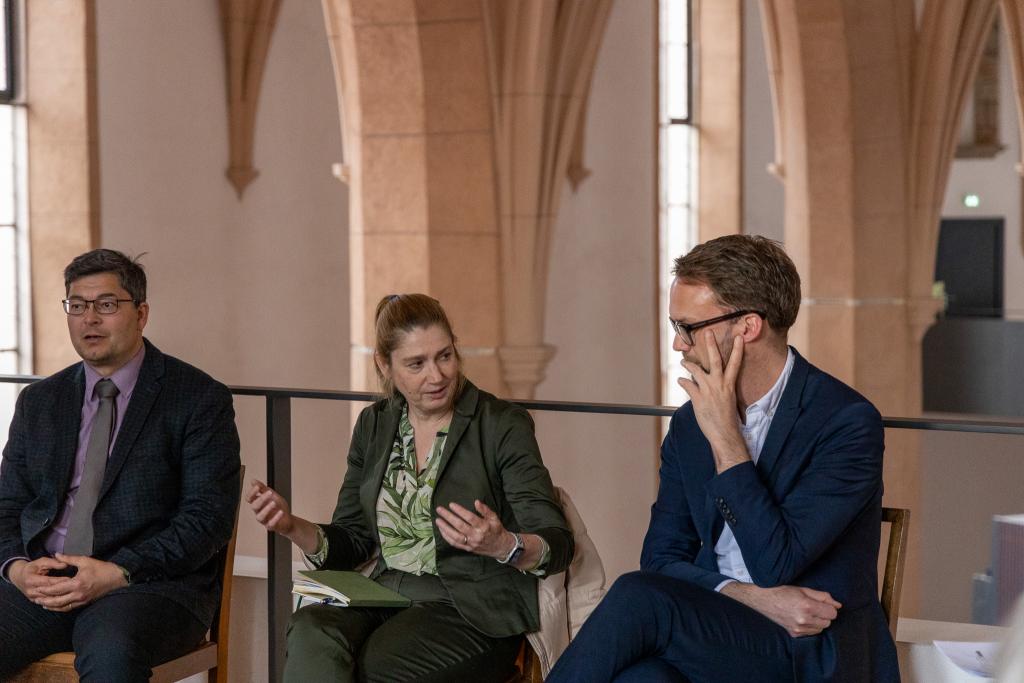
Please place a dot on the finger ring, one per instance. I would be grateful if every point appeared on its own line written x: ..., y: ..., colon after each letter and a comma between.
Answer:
x: 465, y: 539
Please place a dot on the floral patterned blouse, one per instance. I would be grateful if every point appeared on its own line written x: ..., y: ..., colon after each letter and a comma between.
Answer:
x: 405, y: 524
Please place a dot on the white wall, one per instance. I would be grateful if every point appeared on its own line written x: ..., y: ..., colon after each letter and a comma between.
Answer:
x: 254, y: 290
x: 602, y: 298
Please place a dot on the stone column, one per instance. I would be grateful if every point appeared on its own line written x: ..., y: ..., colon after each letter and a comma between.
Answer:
x: 869, y: 104
x: 63, y: 173
x: 541, y: 56
x: 718, y: 26
x: 459, y: 120
x: 419, y: 160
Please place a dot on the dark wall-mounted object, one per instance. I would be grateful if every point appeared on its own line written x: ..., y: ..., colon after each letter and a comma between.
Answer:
x: 972, y: 365
x: 970, y: 263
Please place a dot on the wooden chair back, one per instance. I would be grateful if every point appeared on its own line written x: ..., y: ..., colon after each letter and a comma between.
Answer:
x: 895, y: 559
x: 211, y: 655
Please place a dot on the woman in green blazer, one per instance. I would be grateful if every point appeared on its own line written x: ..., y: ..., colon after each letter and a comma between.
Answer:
x: 446, y: 490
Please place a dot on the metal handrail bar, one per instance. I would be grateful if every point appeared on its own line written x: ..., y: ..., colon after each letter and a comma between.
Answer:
x: 921, y: 423
x: 279, y: 472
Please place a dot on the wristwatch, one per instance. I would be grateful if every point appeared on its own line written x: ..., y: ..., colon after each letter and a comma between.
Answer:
x: 516, y: 551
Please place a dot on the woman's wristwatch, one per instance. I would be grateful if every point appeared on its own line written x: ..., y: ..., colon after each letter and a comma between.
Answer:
x: 516, y: 552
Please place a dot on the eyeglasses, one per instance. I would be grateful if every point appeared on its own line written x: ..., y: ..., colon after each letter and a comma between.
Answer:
x: 686, y: 330
x: 104, y: 306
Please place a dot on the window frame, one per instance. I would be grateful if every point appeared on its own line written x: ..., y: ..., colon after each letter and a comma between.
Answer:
x: 9, y: 14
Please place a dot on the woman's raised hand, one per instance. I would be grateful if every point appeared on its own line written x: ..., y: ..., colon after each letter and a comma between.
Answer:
x: 272, y: 511
x: 479, y: 532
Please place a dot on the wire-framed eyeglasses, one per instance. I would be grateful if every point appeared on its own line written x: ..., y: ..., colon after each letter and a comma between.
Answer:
x: 686, y: 330
x: 105, y: 305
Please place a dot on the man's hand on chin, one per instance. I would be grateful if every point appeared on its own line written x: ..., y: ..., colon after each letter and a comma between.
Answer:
x: 95, y: 578
x: 801, y: 611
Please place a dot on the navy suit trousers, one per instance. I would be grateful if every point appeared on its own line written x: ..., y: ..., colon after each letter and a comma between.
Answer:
x: 654, y: 628
x: 116, y: 639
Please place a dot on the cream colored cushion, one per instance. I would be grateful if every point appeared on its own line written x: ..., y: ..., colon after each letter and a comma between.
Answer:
x: 568, y: 598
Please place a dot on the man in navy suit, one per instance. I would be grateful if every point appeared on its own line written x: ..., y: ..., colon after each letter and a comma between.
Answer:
x: 760, y: 563
x: 114, y: 556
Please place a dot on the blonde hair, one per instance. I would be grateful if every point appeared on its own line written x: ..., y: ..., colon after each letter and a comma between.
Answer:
x: 399, y: 314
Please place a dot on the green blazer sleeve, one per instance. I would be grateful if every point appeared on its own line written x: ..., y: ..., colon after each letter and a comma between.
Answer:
x: 351, y: 537
x: 527, y: 487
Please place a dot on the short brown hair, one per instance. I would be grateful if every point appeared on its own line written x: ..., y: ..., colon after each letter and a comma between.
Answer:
x: 129, y: 271
x: 399, y: 314
x: 746, y: 272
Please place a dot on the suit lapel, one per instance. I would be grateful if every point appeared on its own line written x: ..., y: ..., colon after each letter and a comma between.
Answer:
x: 376, y: 465
x: 69, y: 421
x: 785, y: 416
x: 465, y: 408
x: 147, y: 388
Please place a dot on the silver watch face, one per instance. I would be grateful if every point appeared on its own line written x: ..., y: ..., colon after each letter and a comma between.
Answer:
x: 520, y: 547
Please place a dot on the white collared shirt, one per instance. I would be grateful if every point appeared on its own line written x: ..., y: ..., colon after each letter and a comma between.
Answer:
x: 755, y: 429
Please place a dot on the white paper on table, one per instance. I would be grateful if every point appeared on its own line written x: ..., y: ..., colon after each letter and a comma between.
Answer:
x: 977, y: 659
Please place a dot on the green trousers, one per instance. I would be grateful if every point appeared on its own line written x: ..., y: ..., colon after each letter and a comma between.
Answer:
x: 426, y: 642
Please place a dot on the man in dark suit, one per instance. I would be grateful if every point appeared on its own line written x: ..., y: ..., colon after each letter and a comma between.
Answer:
x: 114, y: 556
x: 760, y: 563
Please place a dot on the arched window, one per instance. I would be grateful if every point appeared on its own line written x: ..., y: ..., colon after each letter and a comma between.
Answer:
x: 15, y: 327
x: 677, y: 169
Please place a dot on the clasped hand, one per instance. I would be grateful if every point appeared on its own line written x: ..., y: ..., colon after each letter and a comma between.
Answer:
x: 801, y: 611
x: 482, y: 534
x: 94, y: 579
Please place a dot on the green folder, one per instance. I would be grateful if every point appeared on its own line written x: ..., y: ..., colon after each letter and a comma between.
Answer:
x: 346, y: 589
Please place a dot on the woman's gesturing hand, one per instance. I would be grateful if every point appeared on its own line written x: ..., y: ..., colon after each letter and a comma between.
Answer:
x: 272, y: 511
x: 482, y: 534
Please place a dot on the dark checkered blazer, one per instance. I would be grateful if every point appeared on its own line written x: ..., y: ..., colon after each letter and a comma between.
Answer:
x: 171, y: 487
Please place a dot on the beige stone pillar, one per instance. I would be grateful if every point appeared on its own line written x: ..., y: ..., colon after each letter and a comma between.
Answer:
x: 459, y: 120
x: 541, y: 56
x: 63, y: 175
x: 868, y: 104
x: 415, y: 104
x: 718, y: 27
x: 1013, y: 20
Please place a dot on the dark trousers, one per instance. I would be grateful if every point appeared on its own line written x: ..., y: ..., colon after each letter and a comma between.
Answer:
x: 426, y: 642
x: 116, y: 639
x: 653, y: 628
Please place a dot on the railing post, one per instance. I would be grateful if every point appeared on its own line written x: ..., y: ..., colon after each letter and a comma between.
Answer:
x: 279, y: 548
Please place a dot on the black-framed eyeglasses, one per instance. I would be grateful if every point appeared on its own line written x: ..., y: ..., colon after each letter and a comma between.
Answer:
x: 686, y: 330
x: 106, y: 305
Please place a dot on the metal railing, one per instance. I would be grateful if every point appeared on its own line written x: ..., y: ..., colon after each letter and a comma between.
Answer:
x: 279, y: 472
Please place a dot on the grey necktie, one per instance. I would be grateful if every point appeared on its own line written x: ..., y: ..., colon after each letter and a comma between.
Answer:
x: 79, y: 537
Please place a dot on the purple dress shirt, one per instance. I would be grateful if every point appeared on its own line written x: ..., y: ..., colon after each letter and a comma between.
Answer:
x: 124, y: 379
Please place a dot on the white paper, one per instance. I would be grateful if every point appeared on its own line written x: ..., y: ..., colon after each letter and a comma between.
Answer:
x: 977, y: 659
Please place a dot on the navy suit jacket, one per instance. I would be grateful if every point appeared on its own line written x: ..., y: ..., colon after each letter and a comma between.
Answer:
x: 808, y: 514
x: 170, y: 491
